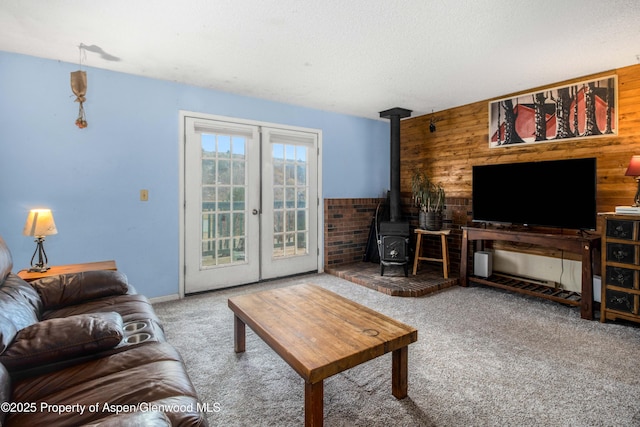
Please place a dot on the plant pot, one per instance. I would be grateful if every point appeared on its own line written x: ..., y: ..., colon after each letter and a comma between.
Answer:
x: 433, y: 221
x: 422, y: 219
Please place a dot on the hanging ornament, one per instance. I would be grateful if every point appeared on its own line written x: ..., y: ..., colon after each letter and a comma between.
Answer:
x: 79, y: 88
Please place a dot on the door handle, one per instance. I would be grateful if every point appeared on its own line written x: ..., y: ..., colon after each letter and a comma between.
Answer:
x: 255, y: 212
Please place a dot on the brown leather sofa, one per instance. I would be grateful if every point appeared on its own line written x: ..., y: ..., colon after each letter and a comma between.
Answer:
x: 85, y: 349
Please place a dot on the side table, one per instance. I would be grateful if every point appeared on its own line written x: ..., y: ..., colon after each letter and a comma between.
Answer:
x: 56, y: 270
x: 445, y: 250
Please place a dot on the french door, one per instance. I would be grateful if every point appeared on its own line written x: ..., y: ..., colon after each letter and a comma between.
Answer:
x: 290, y: 199
x: 251, y: 203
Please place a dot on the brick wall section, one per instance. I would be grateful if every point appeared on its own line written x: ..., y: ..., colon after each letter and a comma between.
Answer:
x: 346, y: 229
x: 347, y: 223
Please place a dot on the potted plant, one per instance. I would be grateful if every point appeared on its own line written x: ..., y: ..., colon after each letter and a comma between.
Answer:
x: 429, y: 197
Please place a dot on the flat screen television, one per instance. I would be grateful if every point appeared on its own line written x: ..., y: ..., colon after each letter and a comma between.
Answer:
x: 555, y: 193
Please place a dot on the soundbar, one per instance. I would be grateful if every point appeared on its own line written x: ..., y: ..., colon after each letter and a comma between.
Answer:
x: 628, y: 209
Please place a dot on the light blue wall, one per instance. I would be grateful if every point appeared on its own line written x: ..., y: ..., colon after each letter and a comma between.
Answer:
x: 91, y: 177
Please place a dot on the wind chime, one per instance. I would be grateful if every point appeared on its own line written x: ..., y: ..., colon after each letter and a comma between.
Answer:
x: 79, y: 88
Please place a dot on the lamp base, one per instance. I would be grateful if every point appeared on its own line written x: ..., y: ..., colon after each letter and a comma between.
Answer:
x: 39, y: 268
x: 636, y: 199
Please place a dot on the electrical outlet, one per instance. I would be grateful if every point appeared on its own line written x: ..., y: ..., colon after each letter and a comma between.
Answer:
x: 144, y: 195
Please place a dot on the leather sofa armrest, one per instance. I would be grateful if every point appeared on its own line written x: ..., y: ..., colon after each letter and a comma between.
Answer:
x: 8, y: 332
x: 60, y: 339
x: 146, y: 419
x: 70, y: 289
x: 5, y: 391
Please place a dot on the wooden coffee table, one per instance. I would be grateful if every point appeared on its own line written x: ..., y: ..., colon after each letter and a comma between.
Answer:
x: 320, y: 333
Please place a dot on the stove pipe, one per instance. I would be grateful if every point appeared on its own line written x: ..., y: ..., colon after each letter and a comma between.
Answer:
x: 394, y: 115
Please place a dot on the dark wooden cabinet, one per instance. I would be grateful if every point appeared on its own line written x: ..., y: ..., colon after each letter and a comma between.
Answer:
x: 621, y: 268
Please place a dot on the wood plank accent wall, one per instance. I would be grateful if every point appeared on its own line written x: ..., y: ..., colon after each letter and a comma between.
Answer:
x: 461, y: 141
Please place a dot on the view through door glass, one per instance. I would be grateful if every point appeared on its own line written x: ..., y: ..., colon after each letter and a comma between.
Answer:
x: 223, y: 199
x: 290, y: 200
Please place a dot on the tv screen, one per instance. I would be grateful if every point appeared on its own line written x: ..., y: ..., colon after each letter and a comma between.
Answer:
x: 556, y: 193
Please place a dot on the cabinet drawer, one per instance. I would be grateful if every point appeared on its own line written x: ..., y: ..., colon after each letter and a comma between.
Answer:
x: 620, y: 301
x: 620, y: 252
x: 620, y: 229
x: 623, y: 277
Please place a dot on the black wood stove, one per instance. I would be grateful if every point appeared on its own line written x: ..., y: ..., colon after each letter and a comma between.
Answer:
x: 393, y: 244
x: 393, y: 235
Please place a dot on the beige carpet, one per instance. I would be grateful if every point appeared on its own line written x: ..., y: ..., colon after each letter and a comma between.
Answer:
x: 484, y: 357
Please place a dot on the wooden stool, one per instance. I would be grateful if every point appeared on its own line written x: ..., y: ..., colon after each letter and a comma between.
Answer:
x: 445, y: 250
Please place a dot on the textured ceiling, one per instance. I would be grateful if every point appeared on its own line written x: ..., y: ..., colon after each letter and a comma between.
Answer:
x: 356, y: 57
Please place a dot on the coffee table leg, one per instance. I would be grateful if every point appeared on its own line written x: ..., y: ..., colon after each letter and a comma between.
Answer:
x: 313, y: 404
x: 239, y: 334
x: 399, y: 372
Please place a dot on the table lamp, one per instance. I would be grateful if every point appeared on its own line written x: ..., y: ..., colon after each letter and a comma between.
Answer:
x: 39, y: 224
x: 634, y: 171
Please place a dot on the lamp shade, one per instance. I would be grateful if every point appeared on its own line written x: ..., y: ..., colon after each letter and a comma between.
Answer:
x: 634, y: 167
x: 40, y: 223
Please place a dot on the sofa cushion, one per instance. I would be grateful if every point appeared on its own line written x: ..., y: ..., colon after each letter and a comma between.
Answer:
x: 55, y: 340
x: 130, y: 307
x: 20, y: 306
x: 69, y: 289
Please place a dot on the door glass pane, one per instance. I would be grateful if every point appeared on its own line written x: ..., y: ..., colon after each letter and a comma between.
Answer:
x: 224, y: 229
x: 238, y: 173
x: 238, y: 199
x: 301, y: 223
x: 238, y: 250
x: 208, y: 171
x: 278, y: 197
x: 208, y: 198
x: 278, y: 165
x: 290, y: 200
x: 223, y: 199
x: 301, y: 197
x: 290, y: 197
x: 224, y: 174
x: 223, y: 252
x: 224, y: 145
x: 291, y: 220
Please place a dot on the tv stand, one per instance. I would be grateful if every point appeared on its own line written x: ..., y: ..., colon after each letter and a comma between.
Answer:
x: 585, y: 245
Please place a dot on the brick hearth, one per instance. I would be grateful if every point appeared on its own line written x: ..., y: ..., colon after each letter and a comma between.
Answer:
x: 427, y: 280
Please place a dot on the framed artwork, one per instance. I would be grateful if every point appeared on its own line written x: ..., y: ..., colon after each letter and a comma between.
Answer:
x: 581, y: 110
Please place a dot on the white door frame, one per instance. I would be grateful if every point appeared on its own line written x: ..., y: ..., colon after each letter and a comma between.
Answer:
x: 181, y: 183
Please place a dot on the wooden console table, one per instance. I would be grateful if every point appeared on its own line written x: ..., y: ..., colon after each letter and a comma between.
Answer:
x: 55, y: 270
x: 584, y: 245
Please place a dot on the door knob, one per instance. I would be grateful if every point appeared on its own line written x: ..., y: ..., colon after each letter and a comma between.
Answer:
x: 255, y: 211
